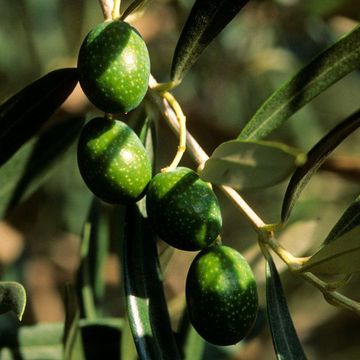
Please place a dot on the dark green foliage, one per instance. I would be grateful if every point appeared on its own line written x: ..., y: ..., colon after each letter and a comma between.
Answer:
x: 314, y: 78
x: 221, y: 295
x: 206, y: 20
x: 23, y: 114
x: 183, y: 210
x: 146, y: 306
x: 285, y: 340
x: 112, y: 161
x: 315, y: 158
x: 114, y: 67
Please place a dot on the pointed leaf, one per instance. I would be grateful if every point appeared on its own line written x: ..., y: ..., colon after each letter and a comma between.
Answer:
x: 34, y: 162
x: 349, y: 220
x: 247, y: 165
x: 145, y: 300
x: 90, y: 282
x: 326, y: 69
x: 134, y: 7
x: 12, y: 298
x: 72, y: 341
x: 22, y: 115
x: 341, y: 256
x: 41, y: 342
x: 192, y: 345
x: 316, y: 156
x: 128, y: 349
x: 206, y: 20
x: 286, y: 342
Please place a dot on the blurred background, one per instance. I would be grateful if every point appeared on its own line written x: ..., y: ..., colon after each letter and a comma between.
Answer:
x: 262, y: 47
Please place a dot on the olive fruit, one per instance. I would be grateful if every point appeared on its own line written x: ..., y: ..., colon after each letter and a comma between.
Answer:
x: 221, y: 295
x: 183, y: 210
x: 113, y: 161
x: 114, y: 66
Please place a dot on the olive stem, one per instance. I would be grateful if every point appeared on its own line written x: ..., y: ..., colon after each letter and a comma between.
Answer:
x: 294, y: 263
x: 107, y: 8
x: 163, y: 87
x: 332, y: 297
x: 182, y: 130
x: 115, y: 13
x: 180, y: 118
x: 265, y: 231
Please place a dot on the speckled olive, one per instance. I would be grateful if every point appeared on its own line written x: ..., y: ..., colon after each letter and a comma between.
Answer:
x: 112, y: 161
x: 114, y: 66
x: 221, y: 295
x: 183, y: 210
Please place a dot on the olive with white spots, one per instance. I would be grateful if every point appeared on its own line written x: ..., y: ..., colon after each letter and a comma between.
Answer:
x: 183, y: 210
x: 221, y: 295
x: 114, y: 67
x: 113, y: 161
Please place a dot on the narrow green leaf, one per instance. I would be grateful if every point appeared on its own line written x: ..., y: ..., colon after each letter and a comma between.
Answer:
x: 128, y: 349
x: 341, y: 256
x: 205, y: 21
x: 349, y: 220
x: 189, y: 341
x: 34, y: 162
x: 83, y: 284
x: 22, y: 115
x: 72, y: 341
x: 36, y: 342
x: 43, y: 341
x: 326, y: 69
x: 248, y: 165
x: 135, y: 7
x: 94, y: 249
x: 316, y: 156
x: 12, y: 298
x: 146, y: 305
x: 285, y: 340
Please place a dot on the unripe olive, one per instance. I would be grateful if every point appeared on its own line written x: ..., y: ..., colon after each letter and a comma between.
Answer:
x: 221, y: 295
x: 112, y: 161
x: 114, y: 66
x: 183, y: 209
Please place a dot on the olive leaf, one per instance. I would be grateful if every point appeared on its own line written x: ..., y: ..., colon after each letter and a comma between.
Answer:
x: 72, y: 342
x: 22, y: 115
x: 127, y: 346
x: 286, y: 342
x: 12, y: 298
x: 135, y: 6
x: 251, y: 164
x: 326, y: 69
x: 43, y: 341
x: 192, y: 345
x: 94, y: 249
x: 341, y: 256
x: 316, y: 156
x: 349, y: 219
x: 206, y: 20
x: 34, y: 162
x: 146, y: 306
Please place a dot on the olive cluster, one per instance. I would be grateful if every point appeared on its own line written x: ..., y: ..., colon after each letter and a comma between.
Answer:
x: 183, y: 210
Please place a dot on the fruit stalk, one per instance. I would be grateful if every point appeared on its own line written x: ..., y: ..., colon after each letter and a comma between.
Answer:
x: 107, y: 7
x: 200, y: 156
x: 182, y: 130
x: 115, y: 13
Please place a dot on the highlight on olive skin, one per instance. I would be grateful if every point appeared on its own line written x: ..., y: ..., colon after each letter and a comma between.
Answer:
x: 183, y: 210
x: 221, y: 295
x: 114, y: 67
x: 113, y: 161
